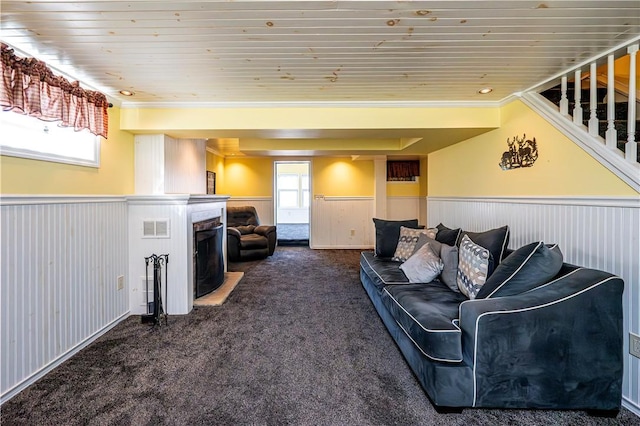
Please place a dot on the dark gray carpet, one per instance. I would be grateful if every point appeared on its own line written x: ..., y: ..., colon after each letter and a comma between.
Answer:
x: 296, y: 343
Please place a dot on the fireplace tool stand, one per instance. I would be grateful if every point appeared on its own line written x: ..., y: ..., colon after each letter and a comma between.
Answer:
x: 155, y: 309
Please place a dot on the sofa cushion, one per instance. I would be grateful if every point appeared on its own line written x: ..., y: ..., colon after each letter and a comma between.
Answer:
x: 253, y: 241
x: 447, y: 235
x: 495, y: 240
x: 524, y: 269
x: 382, y: 272
x: 473, y: 267
x: 449, y: 256
x: 407, y: 242
x: 426, y: 313
x: 423, y: 266
x: 388, y: 233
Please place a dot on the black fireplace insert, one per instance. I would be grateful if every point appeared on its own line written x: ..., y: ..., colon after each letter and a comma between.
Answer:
x: 208, y: 256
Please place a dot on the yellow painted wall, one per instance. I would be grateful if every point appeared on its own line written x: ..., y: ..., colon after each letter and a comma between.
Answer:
x: 114, y: 177
x: 247, y: 177
x: 342, y: 177
x: 170, y: 120
x: 403, y: 189
x: 215, y: 163
x: 424, y: 176
x: 253, y: 177
x: 470, y: 168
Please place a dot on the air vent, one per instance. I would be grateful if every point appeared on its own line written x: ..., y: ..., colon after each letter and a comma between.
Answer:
x: 162, y: 228
x: 155, y: 228
x: 148, y: 229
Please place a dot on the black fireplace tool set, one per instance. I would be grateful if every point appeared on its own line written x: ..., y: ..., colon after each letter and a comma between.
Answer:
x: 155, y: 309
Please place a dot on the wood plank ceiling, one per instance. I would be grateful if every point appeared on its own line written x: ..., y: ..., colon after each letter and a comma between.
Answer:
x: 315, y: 51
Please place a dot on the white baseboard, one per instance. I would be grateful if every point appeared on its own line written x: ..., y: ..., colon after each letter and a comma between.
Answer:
x: 629, y: 405
x: 19, y: 387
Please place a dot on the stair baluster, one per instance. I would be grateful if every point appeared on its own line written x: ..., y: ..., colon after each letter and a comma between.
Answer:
x: 564, y: 101
x: 631, y: 148
x: 577, y: 109
x: 611, y: 135
x: 593, y: 100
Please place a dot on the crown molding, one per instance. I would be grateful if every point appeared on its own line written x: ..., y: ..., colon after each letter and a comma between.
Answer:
x: 362, y: 104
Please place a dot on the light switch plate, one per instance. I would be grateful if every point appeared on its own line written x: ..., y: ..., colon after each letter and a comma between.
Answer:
x: 634, y: 345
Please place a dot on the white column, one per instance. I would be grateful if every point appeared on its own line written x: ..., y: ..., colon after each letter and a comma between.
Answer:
x: 593, y: 100
x: 612, y: 135
x: 631, y: 148
x: 577, y: 109
x: 564, y: 102
x: 380, y: 187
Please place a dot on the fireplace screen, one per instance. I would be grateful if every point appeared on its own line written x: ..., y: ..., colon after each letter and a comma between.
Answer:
x: 208, y: 256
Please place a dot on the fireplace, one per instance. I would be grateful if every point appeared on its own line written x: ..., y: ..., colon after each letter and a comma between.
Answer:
x: 208, y: 256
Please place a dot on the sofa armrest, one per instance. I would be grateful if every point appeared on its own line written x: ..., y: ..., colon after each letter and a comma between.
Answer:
x: 560, y: 342
x: 233, y: 233
x: 268, y: 231
x: 233, y: 244
x: 264, y: 230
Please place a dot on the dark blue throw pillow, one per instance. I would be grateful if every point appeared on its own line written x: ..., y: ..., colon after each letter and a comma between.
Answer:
x: 388, y: 233
x: 525, y: 269
x: 446, y: 235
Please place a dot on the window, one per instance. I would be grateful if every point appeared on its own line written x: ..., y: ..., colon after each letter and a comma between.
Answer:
x: 288, y: 198
x: 27, y: 137
x: 293, y: 190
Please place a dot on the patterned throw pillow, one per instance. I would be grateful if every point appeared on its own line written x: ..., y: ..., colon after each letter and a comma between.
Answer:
x: 407, y: 242
x: 423, y: 266
x: 387, y: 234
x: 473, y: 267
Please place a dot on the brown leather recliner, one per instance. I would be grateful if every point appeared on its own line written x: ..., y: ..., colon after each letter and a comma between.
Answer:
x: 246, y: 238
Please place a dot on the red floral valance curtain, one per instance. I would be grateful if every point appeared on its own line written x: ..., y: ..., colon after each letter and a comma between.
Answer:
x: 29, y: 87
x: 402, y: 169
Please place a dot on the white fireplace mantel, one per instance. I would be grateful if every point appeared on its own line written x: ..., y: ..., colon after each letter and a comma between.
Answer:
x: 173, y: 215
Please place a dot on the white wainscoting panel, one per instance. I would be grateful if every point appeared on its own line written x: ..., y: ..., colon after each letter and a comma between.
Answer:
x: 263, y: 205
x: 600, y: 233
x: 401, y: 208
x: 61, y: 258
x: 342, y: 223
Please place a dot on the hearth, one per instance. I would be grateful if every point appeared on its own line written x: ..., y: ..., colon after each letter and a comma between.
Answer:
x: 208, y: 256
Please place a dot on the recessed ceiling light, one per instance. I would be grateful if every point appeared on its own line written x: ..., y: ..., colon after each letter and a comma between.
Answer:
x: 127, y: 93
x: 485, y: 90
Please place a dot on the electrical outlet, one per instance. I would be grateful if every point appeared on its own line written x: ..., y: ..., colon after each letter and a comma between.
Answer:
x: 120, y: 282
x: 634, y: 345
x: 353, y: 232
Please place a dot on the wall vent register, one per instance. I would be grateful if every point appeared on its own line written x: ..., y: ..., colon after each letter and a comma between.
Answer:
x: 155, y: 228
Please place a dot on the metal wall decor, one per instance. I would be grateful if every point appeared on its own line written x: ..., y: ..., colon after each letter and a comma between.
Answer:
x: 522, y: 152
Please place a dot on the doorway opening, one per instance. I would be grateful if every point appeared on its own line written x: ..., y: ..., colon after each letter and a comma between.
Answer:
x: 292, y: 202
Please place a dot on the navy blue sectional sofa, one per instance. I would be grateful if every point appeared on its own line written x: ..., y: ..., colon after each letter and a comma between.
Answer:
x: 554, y: 345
